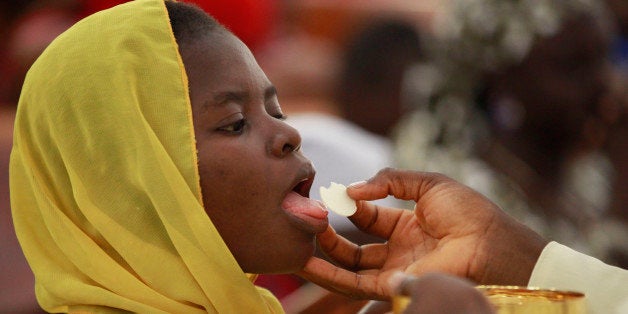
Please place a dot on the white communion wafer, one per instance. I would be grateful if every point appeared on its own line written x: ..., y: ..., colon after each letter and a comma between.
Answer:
x: 335, y: 198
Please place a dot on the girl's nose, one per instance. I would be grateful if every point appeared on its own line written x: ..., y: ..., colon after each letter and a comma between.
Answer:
x: 285, y: 141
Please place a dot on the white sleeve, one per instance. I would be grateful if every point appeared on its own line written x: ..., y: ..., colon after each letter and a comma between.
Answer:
x: 605, y: 287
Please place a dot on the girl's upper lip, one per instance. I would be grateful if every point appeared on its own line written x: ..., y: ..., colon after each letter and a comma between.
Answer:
x: 301, y: 184
x: 303, y: 180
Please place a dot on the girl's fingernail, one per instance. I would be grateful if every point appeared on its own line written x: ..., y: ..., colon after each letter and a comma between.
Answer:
x: 356, y: 185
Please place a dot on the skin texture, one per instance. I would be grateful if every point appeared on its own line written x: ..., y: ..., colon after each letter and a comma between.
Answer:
x: 248, y: 157
x: 452, y: 230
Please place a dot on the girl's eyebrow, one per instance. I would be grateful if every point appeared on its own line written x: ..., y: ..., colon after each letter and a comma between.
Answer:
x: 230, y: 96
x: 222, y: 98
x: 240, y: 96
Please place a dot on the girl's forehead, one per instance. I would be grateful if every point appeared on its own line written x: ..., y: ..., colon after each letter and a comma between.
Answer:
x: 219, y: 50
x: 223, y: 65
x: 207, y: 44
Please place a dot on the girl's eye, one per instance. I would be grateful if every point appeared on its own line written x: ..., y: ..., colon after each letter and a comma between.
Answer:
x: 234, y: 128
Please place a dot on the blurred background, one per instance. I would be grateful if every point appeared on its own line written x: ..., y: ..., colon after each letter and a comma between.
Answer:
x: 525, y: 101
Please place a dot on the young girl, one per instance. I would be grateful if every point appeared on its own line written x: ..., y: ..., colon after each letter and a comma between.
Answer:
x: 122, y: 154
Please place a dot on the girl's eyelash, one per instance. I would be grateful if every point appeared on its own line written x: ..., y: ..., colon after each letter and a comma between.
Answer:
x: 238, y: 126
x: 234, y: 128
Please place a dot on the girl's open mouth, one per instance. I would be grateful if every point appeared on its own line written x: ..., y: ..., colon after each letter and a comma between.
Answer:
x: 308, y: 212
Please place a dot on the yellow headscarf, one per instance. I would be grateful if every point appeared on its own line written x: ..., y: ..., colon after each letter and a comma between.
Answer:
x: 104, y: 183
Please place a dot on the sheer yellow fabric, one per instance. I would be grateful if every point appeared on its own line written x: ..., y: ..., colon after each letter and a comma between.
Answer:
x: 104, y: 183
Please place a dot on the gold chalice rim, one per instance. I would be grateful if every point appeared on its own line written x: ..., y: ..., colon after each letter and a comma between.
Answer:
x: 525, y: 291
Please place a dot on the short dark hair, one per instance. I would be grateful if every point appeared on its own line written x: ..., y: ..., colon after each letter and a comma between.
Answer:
x: 189, y: 22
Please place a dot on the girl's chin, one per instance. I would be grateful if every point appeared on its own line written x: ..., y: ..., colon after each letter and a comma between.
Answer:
x: 287, y: 263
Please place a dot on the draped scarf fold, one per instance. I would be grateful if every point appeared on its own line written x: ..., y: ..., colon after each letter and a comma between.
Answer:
x: 104, y: 182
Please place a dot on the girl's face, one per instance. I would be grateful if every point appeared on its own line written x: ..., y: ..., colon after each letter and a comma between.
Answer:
x: 249, y: 160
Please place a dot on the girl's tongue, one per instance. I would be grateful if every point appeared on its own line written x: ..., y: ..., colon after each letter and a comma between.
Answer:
x: 299, y: 205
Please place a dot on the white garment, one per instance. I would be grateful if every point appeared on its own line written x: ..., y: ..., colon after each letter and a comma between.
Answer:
x: 342, y: 152
x: 605, y: 287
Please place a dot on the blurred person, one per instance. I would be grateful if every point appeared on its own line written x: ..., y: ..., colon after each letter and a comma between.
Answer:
x: 518, y: 103
x: 370, y: 90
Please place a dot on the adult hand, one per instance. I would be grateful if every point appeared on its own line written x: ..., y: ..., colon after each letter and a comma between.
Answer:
x: 453, y: 229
